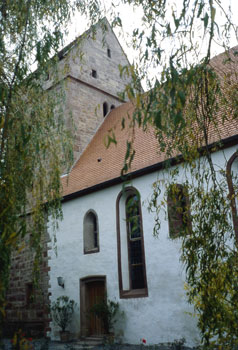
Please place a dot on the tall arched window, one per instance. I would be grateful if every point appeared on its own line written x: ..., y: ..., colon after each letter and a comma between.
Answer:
x: 90, y: 233
x: 105, y: 108
x: 131, y: 255
x: 232, y: 180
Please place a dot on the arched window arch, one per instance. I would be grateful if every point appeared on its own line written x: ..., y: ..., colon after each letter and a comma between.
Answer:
x: 90, y: 233
x: 105, y: 108
x: 232, y: 180
x: 130, y: 240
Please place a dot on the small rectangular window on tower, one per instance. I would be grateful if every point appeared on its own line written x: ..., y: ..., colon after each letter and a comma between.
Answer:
x: 109, y: 53
x: 94, y: 73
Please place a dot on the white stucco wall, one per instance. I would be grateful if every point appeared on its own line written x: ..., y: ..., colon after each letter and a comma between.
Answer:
x: 163, y: 316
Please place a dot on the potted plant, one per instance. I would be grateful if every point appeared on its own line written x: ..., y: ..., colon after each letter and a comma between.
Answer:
x: 62, y: 311
x: 106, y: 310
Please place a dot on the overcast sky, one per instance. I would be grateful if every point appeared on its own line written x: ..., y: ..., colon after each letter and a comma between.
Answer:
x: 132, y: 19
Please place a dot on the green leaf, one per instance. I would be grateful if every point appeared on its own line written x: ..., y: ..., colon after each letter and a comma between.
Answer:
x: 205, y: 19
x: 157, y: 119
x: 201, y: 6
x: 128, y: 149
x: 182, y: 97
x: 213, y: 13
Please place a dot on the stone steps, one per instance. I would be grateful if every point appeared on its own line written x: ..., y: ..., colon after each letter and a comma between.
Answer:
x: 91, y: 341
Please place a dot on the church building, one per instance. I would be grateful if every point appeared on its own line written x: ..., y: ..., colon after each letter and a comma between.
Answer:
x: 105, y: 242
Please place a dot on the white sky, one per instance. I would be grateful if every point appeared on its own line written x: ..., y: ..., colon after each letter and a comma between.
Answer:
x: 132, y: 19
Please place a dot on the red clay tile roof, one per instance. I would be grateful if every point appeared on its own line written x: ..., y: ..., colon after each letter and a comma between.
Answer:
x: 98, y: 164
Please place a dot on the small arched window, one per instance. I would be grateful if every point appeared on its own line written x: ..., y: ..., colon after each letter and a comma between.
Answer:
x: 90, y: 233
x: 112, y: 107
x: 232, y: 180
x: 131, y: 255
x: 105, y: 108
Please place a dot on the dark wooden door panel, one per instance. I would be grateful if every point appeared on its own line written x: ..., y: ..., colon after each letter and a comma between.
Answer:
x: 96, y: 293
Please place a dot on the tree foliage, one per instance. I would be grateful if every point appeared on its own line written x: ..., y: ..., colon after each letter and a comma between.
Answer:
x: 210, y: 255
x: 188, y: 102
x: 34, y: 144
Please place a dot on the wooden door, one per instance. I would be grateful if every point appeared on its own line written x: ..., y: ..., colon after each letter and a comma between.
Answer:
x: 95, y: 294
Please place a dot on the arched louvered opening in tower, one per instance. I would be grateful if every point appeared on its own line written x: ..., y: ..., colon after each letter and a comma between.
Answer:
x: 105, y: 109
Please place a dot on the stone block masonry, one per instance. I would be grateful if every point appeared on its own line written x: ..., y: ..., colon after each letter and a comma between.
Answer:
x: 89, y: 77
x: 27, y: 306
x: 85, y: 107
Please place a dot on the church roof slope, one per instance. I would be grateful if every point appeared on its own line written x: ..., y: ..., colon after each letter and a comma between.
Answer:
x: 98, y: 164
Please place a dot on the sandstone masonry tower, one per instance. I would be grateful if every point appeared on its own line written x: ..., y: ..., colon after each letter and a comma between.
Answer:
x: 89, y: 74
